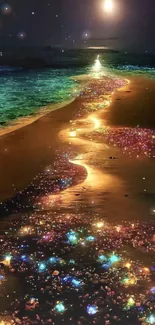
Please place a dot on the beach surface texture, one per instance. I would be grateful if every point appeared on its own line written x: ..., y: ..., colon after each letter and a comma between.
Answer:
x: 77, y: 208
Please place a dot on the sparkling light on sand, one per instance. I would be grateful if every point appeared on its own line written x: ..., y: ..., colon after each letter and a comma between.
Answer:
x: 74, y: 264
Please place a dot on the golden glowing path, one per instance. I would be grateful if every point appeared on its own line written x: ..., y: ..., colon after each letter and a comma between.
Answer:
x: 96, y: 180
x: 92, y: 156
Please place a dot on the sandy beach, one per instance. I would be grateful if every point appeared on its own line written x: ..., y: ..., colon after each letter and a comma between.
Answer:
x: 72, y: 174
x: 77, y: 162
x: 28, y: 150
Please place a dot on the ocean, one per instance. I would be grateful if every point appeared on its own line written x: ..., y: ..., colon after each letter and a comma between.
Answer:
x: 24, y: 92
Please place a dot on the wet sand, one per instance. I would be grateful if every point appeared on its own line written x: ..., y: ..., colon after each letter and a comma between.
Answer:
x: 135, y: 105
x: 26, y: 151
x: 25, y: 121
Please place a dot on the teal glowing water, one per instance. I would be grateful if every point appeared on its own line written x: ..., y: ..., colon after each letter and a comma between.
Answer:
x: 129, y: 65
x: 22, y: 93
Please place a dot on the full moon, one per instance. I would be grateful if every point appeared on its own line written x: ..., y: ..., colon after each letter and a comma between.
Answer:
x: 108, y: 6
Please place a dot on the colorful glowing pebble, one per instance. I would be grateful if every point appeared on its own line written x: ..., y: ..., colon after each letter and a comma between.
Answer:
x: 131, y: 302
x: 114, y: 259
x: 60, y: 308
x: 151, y: 319
x: 8, y: 258
x: 41, y: 267
x: 52, y: 260
x: 66, y: 279
x: 92, y: 309
x: 72, y: 237
x: 102, y: 258
x: 90, y: 238
x: 71, y: 262
x: 76, y: 283
x: 1, y: 277
x: 106, y: 266
x: 153, y: 290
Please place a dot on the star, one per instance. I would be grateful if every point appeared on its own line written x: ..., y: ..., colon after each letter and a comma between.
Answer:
x: 21, y: 35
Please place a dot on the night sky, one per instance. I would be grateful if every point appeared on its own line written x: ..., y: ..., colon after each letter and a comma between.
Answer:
x: 68, y: 23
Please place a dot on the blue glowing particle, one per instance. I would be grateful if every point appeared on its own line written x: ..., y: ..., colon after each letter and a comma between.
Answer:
x: 52, y: 260
x: 92, y: 309
x: 102, y: 258
x: 151, y: 319
x: 60, y: 308
x: 67, y: 279
x: 76, y: 283
x: 153, y: 290
x: 140, y: 309
x: 106, y: 266
x: 1, y: 277
x: 71, y: 262
x: 24, y: 258
x: 114, y: 258
x: 72, y: 237
x: 41, y: 267
x: 90, y: 238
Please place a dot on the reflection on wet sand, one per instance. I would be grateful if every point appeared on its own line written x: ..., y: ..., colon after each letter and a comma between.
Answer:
x: 95, y: 180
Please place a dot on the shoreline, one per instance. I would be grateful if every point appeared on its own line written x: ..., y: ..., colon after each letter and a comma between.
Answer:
x: 40, y: 112
x: 27, y: 120
x: 28, y: 150
x: 45, y: 110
